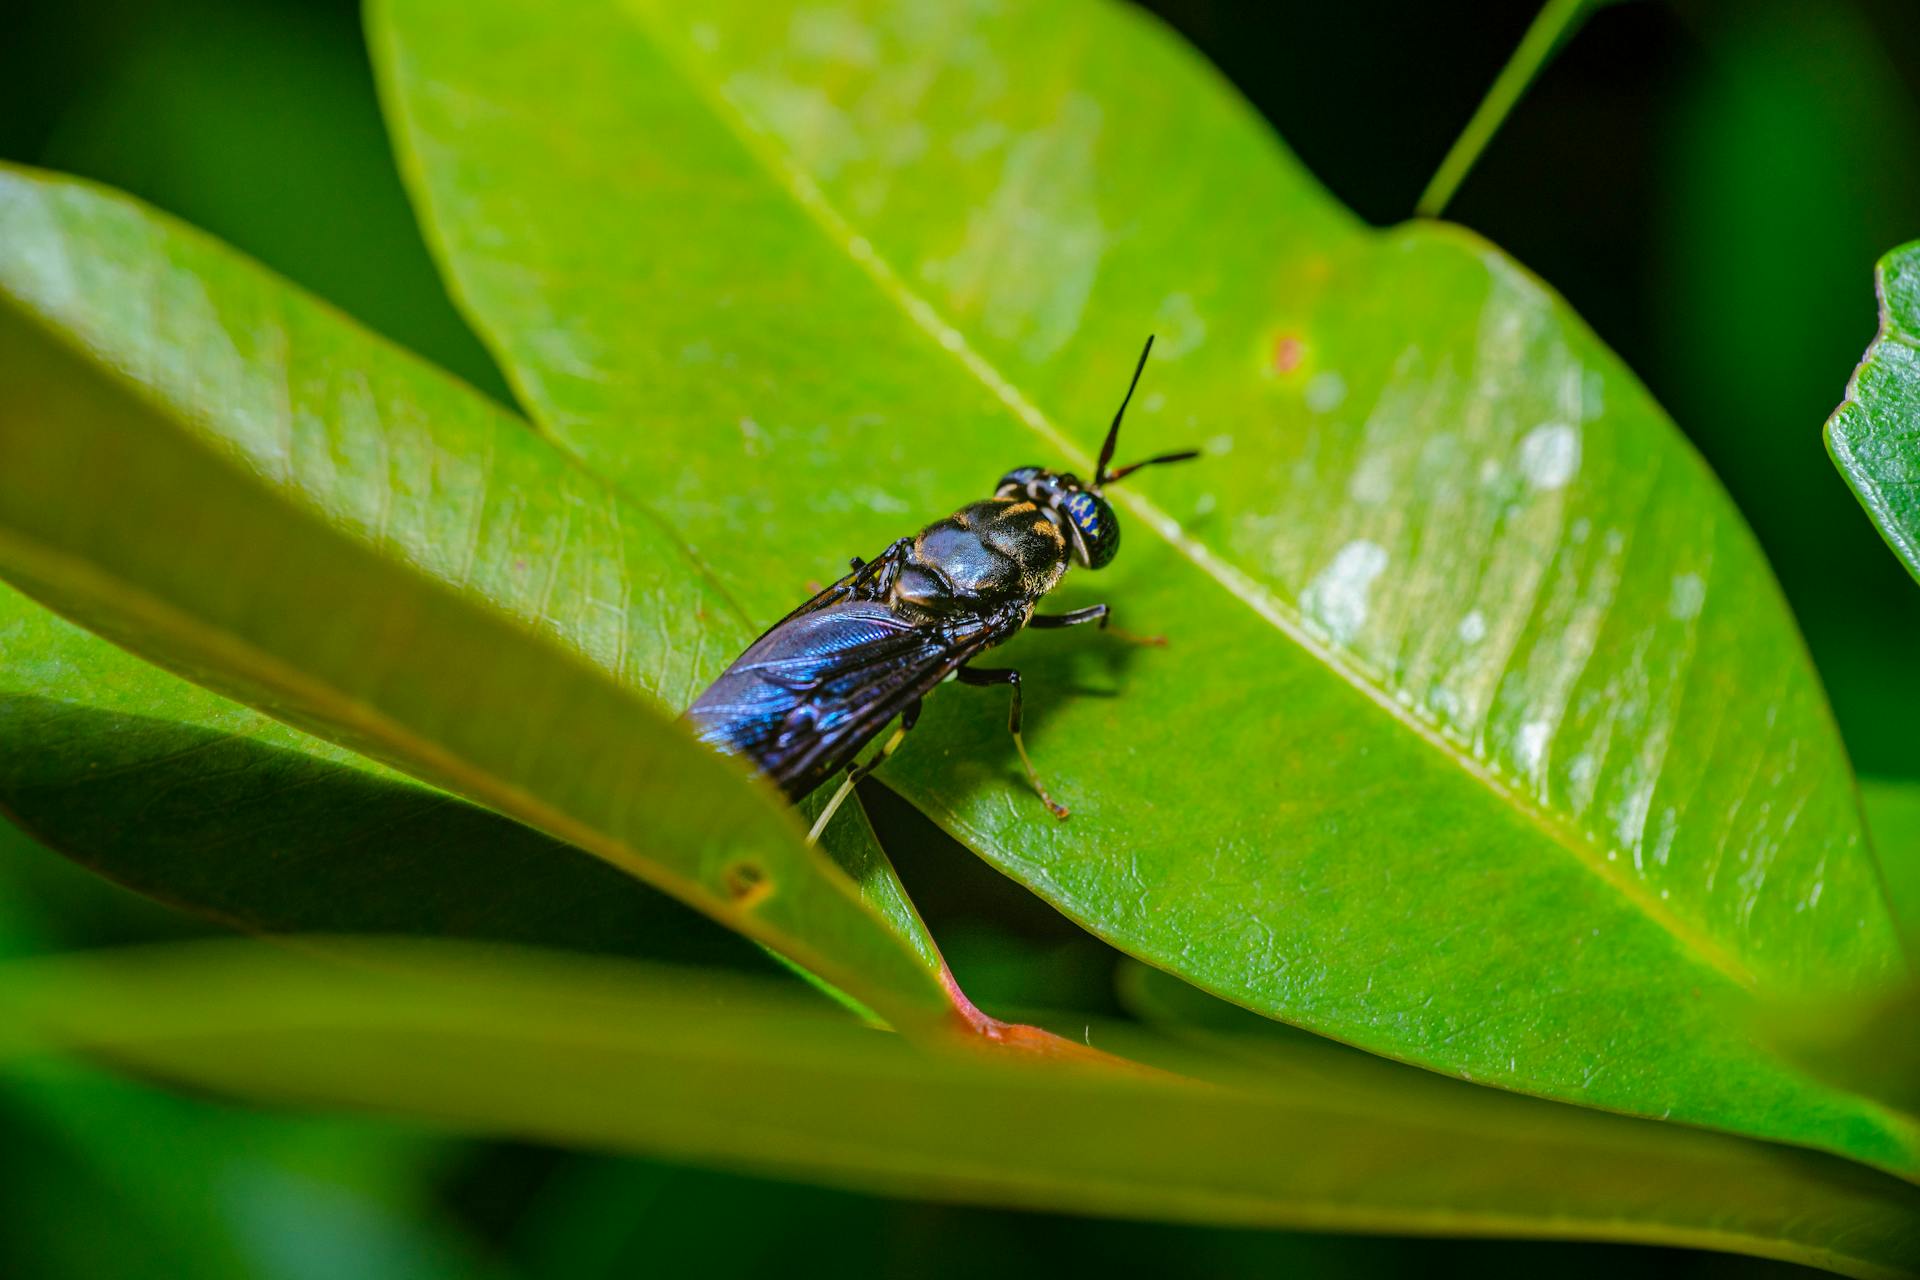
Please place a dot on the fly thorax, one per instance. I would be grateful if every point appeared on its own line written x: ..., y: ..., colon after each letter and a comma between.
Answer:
x: 955, y: 554
x: 995, y: 550
x: 1029, y: 536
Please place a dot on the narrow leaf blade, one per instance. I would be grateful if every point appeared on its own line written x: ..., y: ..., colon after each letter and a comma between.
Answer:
x: 733, y: 1075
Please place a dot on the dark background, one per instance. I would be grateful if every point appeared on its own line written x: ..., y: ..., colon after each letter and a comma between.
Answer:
x: 1709, y: 183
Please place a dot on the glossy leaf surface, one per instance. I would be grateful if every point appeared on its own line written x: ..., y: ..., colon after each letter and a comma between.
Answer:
x: 1484, y: 739
x: 1875, y: 436
x: 730, y: 1074
x: 232, y: 480
x: 213, y: 807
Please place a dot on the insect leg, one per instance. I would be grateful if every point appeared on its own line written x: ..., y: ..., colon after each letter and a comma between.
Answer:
x: 865, y: 579
x: 1094, y: 613
x: 982, y: 676
x: 908, y: 719
x: 1052, y: 621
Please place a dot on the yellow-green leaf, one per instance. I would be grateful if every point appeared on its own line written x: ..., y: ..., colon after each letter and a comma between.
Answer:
x: 730, y: 1074
x: 228, y: 478
x: 1484, y: 740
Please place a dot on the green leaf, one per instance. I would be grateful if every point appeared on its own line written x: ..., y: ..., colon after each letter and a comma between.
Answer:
x: 1872, y: 1044
x: 1869, y: 1046
x: 210, y: 806
x: 1484, y: 739
x: 1893, y: 815
x: 258, y: 125
x: 1790, y: 104
x: 733, y: 1075
x: 1874, y: 437
x: 228, y: 478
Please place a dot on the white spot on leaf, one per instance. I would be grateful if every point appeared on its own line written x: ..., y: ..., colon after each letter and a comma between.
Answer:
x: 1686, y: 597
x: 1530, y: 746
x: 1179, y: 326
x: 829, y: 35
x: 1372, y: 481
x: 1326, y: 392
x: 1550, y: 455
x: 1337, y: 597
x: 752, y: 438
x: 1472, y: 628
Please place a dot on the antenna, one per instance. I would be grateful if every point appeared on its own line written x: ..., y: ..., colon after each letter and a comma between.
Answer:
x: 1113, y: 432
x: 1103, y: 477
x: 1185, y: 455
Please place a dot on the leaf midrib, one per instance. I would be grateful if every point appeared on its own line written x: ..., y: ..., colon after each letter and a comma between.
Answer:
x: 762, y: 145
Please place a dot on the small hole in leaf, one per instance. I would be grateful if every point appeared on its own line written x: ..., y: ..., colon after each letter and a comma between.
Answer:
x: 747, y: 884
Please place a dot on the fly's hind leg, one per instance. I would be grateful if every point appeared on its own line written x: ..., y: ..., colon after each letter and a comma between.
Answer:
x: 1099, y: 613
x: 857, y: 771
x: 980, y: 677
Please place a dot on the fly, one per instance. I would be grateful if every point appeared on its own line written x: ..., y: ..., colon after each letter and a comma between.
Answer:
x: 807, y: 696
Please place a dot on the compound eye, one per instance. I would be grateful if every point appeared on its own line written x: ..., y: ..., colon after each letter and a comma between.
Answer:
x: 1098, y: 539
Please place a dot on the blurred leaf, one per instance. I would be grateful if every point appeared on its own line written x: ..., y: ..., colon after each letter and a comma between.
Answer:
x: 1869, y: 1046
x: 1774, y: 196
x: 1893, y: 815
x: 106, y: 1180
x: 1872, y: 1047
x: 611, y: 1218
x: 1485, y: 740
x: 1874, y: 437
x: 735, y: 1075
x: 207, y: 805
x: 257, y: 123
x: 228, y: 478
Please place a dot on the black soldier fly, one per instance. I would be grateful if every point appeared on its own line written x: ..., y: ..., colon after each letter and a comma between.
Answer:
x: 826, y: 679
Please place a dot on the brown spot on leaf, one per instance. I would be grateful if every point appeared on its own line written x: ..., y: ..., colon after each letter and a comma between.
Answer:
x: 1288, y: 351
x: 746, y: 883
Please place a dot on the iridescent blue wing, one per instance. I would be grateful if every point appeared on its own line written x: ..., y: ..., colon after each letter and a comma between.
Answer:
x: 805, y: 697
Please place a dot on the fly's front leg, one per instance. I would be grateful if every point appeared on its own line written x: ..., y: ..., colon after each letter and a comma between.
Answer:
x: 873, y: 579
x: 869, y: 579
x: 979, y: 677
x: 1099, y: 613
x: 857, y: 771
